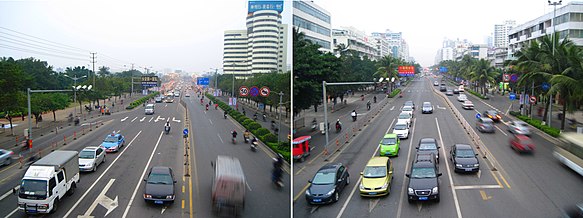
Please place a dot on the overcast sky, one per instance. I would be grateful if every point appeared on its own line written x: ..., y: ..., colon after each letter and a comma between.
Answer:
x: 425, y: 24
x: 185, y: 35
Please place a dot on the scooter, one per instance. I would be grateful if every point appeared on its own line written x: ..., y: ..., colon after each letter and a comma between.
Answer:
x: 353, y: 118
x: 167, y: 130
x: 234, y: 140
x: 276, y: 178
x: 338, y: 128
x: 225, y: 116
x: 245, y: 139
x: 264, y: 118
x: 254, y: 146
x: 314, y: 125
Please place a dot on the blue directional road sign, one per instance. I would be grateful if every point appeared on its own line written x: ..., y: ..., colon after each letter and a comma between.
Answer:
x: 185, y: 131
x: 478, y: 115
x: 254, y: 91
x: 512, y: 96
x: 202, y: 81
x: 513, y: 78
x: 546, y: 86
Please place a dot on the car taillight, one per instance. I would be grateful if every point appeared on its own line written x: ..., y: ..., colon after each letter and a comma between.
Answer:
x: 517, y: 129
x: 498, y: 116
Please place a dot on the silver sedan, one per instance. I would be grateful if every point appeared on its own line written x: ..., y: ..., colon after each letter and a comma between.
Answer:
x: 518, y: 128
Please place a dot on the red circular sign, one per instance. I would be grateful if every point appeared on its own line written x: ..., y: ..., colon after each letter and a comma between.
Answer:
x: 532, y: 99
x: 264, y: 91
x: 243, y: 91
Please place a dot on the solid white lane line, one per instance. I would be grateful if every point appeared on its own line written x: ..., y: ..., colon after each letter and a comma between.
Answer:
x: 465, y: 187
x: 151, y: 118
x: 403, y: 188
x: 220, y: 138
x: 11, y: 213
x: 102, y: 174
x: 134, y: 119
x: 455, y: 200
x: 125, y: 213
x: 357, y: 184
x: 211, y: 121
x: 508, y: 110
x: 8, y: 193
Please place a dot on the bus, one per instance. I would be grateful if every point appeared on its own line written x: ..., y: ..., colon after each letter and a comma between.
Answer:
x: 570, y: 151
x: 169, y: 98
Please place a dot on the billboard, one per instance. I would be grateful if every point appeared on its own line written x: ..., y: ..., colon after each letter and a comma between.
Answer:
x: 265, y: 5
x: 149, y: 81
x: 406, y: 70
x: 202, y: 81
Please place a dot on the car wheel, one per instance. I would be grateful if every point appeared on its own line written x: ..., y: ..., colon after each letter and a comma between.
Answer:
x: 9, y: 161
x: 55, y: 206
x: 437, y: 198
x: 398, y: 149
x: 104, y: 157
x: 94, y: 168
x: 336, y: 196
x: 302, y: 159
x: 347, y: 180
x: 410, y: 201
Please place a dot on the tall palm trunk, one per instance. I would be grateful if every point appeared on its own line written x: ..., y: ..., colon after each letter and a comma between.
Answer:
x: 564, y: 114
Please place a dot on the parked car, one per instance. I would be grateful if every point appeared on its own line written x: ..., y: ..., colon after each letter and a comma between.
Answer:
x: 405, y: 117
x: 326, y: 185
x: 90, y: 158
x: 492, y: 114
x: 521, y: 143
x: 485, y: 125
x: 427, y: 108
x: 464, y: 158
x: 428, y: 146
x: 462, y: 98
x: 376, y: 177
x: 5, y: 157
x: 402, y: 130
x: 160, y: 185
x: 449, y: 92
x: 389, y: 145
x: 423, y: 179
x: 468, y: 105
x: 519, y: 128
x: 113, y: 142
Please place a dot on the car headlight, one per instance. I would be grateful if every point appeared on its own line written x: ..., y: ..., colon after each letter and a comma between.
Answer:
x: 147, y: 196
x: 385, y: 186
x: 43, y: 206
x: 435, y: 190
x: 308, y: 192
x: 476, y: 165
x: 169, y: 196
x: 361, y: 186
x: 458, y: 165
x: 330, y: 192
x: 410, y: 191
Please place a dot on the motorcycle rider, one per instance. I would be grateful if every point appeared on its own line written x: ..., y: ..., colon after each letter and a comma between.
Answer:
x: 225, y: 114
x: 207, y: 107
x: 167, y: 126
x: 338, y: 125
x: 374, y: 99
x: 246, y: 135
x: 255, y: 116
x: 234, y: 134
x: 277, y: 170
x: 353, y: 114
x: 368, y: 105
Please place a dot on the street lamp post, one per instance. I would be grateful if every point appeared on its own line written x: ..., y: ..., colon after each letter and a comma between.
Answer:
x: 75, y: 89
x: 233, y: 87
x: 279, y: 116
x: 554, y: 4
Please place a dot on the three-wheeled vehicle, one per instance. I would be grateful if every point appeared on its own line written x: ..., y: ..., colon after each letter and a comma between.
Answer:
x: 228, y: 191
x: 301, y: 148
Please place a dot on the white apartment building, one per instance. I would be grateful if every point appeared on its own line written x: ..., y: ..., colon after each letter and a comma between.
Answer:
x: 314, y: 22
x: 381, y: 44
x: 478, y: 51
x: 354, y: 40
x: 568, y: 23
x: 501, y: 33
x: 262, y: 47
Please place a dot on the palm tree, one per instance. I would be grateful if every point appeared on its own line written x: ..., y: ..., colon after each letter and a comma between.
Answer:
x: 482, y: 72
x: 387, y: 68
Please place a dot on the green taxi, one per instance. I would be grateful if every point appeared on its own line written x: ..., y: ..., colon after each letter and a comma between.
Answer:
x: 389, y: 145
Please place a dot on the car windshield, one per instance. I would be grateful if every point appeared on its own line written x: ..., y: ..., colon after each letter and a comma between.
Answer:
x: 407, y: 108
x: 468, y: 102
x: 324, y: 178
x: 404, y: 116
x: 33, y: 187
x: 409, y: 103
x: 149, y: 107
x: 389, y: 141
x: 426, y: 105
x: 110, y: 139
x: 493, y: 113
x: 401, y: 126
x: 428, y: 146
x: 375, y: 172
x: 422, y: 172
x: 465, y: 153
x: 164, y: 179
x: 87, y: 155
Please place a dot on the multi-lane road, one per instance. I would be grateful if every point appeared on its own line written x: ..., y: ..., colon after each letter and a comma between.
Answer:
x: 116, y: 188
x: 507, y: 185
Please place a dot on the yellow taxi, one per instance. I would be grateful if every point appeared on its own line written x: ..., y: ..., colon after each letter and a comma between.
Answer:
x: 376, y: 177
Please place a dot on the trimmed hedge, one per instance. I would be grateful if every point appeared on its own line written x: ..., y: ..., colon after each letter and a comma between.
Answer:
x: 140, y: 101
x: 262, y: 134
x: 554, y: 132
x: 476, y: 94
x: 394, y: 93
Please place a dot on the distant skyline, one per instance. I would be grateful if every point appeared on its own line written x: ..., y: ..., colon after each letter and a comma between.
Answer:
x: 425, y: 24
x: 174, y: 34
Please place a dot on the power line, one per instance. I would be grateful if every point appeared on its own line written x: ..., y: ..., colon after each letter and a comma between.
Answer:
x: 37, y: 52
x: 22, y: 43
x: 71, y: 47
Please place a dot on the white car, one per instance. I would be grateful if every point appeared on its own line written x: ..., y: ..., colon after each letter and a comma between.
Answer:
x: 408, y: 109
x: 405, y: 117
x: 401, y: 129
x: 91, y: 157
x: 462, y: 98
x: 461, y: 88
x: 468, y: 105
x: 519, y: 128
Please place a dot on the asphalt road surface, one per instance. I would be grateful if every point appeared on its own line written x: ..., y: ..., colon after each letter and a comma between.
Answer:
x: 508, y: 184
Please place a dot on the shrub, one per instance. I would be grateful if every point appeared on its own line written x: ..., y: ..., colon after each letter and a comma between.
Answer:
x: 394, y: 93
x: 270, y: 137
x: 253, y: 126
x: 537, y: 124
x: 261, y: 132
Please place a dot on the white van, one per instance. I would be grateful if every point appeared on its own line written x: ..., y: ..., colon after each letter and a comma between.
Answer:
x: 149, y: 109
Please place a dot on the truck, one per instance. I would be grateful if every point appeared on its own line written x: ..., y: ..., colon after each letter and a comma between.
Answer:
x: 228, y: 190
x: 47, y: 180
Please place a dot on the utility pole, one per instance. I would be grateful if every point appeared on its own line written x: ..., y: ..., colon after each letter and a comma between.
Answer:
x: 132, y: 76
x: 93, y: 62
x: 553, y: 38
x: 279, y: 116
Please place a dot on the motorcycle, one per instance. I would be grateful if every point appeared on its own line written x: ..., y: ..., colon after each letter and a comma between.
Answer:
x: 167, y: 130
x: 354, y: 118
x: 225, y: 116
x: 338, y: 128
x: 255, y: 117
x: 314, y: 125
x: 254, y: 145
x: 276, y: 177
x: 264, y: 118
x: 246, y: 139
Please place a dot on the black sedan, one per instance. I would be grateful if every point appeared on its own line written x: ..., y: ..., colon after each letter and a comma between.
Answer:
x: 428, y: 146
x: 464, y: 158
x: 327, y: 184
x: 160, y: 185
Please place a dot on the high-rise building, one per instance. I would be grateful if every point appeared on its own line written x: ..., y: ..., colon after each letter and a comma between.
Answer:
x: 398, y: 47
x: 262, y: 47
x: 314, y: 22
x: 501, y: 33
x: 355, y: 40
x: 381, y: 44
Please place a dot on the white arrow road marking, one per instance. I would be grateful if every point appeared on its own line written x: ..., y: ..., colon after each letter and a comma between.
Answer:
x: 178, y: 121
x: 438, y: 107
x: 393, y: 107
x: 166, y: 105
x: 103, y: 200
x: 419, y: 206
x: 134, y: 119
x: 142, y: 120
x: 124, y: 119
x: 151, y: 118
x: 372, y: 204
x: 163, y: 209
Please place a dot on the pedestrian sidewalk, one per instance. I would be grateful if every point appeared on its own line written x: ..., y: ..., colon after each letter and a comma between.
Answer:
x: 48, y: 124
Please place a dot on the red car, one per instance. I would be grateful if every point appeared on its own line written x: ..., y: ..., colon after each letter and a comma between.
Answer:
x: 521, y: 143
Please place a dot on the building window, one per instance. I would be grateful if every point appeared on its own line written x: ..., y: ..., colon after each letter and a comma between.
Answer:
x: 302, y: 6
x: 302, y: 23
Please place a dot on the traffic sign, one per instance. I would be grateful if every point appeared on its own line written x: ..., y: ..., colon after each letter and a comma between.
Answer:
x: 185, y: 132
x: 513, y: 78
x: 512, y: 96
x: 532, y: 99
x: 506, y: 77
x: 254, y: 91
x: 243, y: 91
x: 546, y: 86
x: 202, y: 81
x: 264, y: 91
x: 478, y: 115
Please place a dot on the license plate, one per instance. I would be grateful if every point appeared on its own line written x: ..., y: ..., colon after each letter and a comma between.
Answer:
x: 31, y: 211
x: 317, y: 200
x: 423, y: 198
x: 468, y: 169
x: 158, y: 202
x: 372, y: 193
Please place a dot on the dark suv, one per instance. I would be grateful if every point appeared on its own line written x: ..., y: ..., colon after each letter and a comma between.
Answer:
x: 327, y: 184
x: 428, y: 146
x: 423, y: 179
